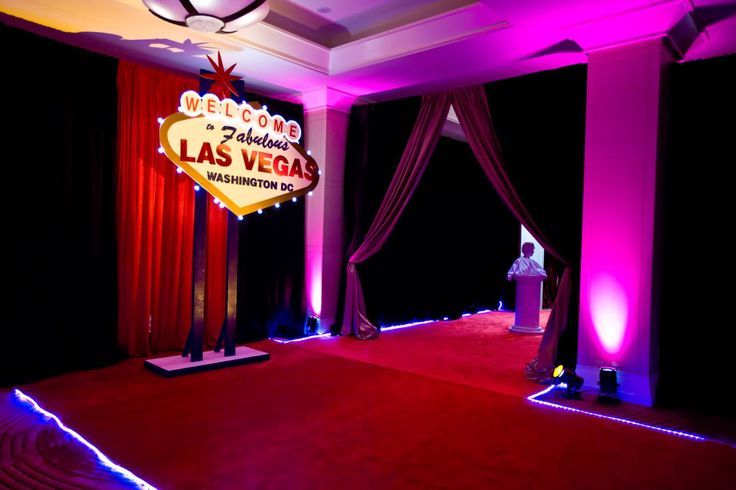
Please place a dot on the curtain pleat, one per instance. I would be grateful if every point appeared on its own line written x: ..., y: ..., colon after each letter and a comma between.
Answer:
x: 155, y: 217
x: 419, y: 149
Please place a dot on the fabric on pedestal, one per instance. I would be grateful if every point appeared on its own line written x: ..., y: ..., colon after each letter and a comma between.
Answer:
x: 526, y: 267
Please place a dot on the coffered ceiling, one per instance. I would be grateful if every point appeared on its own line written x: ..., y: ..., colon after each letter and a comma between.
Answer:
x: 322, y: 51
x: 335, y: 22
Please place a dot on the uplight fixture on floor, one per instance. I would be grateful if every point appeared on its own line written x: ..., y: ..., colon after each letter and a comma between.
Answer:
x: 311, y: 325
x: 608, y: 385
x: 222, y: 16
x: 573, y: 382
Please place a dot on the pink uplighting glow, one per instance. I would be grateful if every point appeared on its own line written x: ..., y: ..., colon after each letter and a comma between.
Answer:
x: 315, y: 290
x: 609, y: 311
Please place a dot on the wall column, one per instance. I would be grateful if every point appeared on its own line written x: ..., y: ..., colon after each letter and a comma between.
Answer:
x: 326, y: 123
x: 617, y: 299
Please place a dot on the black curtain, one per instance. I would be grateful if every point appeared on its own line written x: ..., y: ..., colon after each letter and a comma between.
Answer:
x: 694, y: 257
x: 450, y: 250
x: 60, y: 106
x: 271, y: 260
x: 377, y: 136
x: 540, y: 123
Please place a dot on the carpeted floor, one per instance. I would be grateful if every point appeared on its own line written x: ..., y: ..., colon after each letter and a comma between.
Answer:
x: 36, y: 453
x: 476, y: 350
x: 710, y: 426
x: 399, y: 412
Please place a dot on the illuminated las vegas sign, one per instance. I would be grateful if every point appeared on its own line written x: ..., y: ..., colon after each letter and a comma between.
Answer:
x: 241, y: 154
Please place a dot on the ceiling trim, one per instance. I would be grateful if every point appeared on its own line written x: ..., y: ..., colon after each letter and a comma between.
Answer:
x: 632, y: 25
x: 327, y: 98
x: 286, y: 46
x: 456, y: 25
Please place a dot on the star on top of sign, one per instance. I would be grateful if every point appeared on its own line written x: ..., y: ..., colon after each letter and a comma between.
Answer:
x: 222, y: 78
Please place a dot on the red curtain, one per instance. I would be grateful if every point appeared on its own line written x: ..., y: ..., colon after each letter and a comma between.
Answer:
x: 216, y: 272
x: 155, y: 217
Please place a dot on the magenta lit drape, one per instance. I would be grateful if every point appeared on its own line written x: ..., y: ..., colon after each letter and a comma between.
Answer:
x: 413, y: 162
x: 471, y: 108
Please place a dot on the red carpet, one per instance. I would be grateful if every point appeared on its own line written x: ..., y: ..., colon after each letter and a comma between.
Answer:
x: 310, y: 419
x: 477, y: 351
x: 710, y: 426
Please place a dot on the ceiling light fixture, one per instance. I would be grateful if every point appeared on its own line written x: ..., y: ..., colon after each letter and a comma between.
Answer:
x: 220, y: 16
x: 573, y: 383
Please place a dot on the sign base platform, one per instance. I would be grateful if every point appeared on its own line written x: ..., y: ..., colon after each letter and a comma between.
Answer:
x: 178, y: 365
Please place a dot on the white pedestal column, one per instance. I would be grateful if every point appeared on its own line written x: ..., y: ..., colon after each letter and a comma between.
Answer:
x: 528, y: 303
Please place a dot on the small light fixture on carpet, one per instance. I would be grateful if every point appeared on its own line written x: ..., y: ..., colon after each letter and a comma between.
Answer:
x: 311, y: 326
x: 608, y: 385
x: 209, y: 15
x: 572, y: 381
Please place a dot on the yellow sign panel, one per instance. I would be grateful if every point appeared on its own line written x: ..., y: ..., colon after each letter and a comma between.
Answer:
x: 240, y: 153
